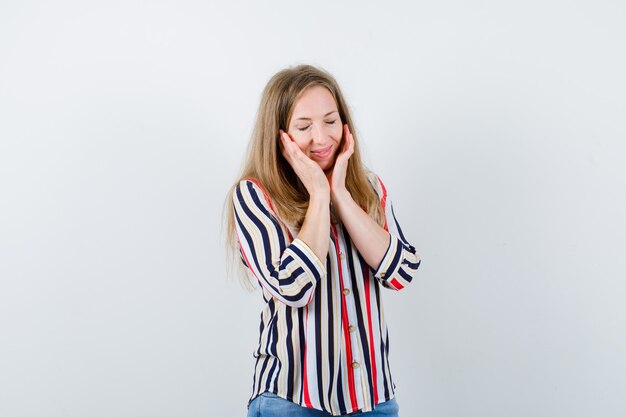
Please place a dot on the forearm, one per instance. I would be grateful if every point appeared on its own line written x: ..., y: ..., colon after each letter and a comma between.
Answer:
x: 315, y: 229
x: 370, y: 239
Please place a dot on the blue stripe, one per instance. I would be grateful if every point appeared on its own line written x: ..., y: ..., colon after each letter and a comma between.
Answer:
x: 290, y: 354
x: 255, y: 258
x: 394, y: 262
x: 254, y: 193
x: 277, y: 359
x: 393, y: 214
x: 264, y: 234
x: 305, y: 260
x: 411, y: 264
x: 381, y: 346
x: 404, y: 275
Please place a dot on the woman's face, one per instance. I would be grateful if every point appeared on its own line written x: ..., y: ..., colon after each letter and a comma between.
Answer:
x: 316, y: 126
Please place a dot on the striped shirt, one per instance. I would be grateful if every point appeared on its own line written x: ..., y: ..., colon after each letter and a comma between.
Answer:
x: 323, y: 339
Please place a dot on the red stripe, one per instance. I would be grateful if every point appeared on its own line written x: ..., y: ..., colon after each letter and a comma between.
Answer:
x: 346, y: 332
x: 396, y: 284
x: 366, y: 284
x: 305, y: 383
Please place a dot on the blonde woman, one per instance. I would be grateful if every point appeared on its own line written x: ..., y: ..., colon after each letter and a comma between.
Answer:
x: 317, y: 232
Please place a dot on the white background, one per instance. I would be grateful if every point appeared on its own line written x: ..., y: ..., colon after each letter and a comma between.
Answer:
x: 498, y: 126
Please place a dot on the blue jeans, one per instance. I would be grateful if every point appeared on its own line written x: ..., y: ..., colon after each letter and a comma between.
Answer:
x: 271, y: 405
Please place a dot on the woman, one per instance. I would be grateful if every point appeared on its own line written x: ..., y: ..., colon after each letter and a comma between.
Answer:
x: 317, y: 231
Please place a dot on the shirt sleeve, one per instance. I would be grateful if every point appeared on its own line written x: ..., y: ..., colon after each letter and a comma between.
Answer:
x: 288, y: 270
x: 400, y: 262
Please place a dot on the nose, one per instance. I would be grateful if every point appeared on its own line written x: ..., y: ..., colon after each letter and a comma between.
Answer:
x: 317, y: 134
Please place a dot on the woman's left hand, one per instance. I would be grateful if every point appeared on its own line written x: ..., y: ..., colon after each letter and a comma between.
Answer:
x: 337, y: 177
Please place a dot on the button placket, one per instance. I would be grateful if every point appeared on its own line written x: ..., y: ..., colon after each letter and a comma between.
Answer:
x: 348, y: 294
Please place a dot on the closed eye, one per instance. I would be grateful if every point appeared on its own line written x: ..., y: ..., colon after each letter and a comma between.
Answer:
x: 302, y: 129
x: 331, y: 122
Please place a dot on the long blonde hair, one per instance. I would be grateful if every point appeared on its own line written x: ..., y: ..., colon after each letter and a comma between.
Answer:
x: 265, y: 162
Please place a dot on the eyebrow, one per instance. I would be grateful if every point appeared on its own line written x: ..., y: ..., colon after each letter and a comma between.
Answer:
x: 327, y: 114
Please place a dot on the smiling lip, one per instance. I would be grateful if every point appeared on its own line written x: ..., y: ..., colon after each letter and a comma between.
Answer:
x: 322, y: 153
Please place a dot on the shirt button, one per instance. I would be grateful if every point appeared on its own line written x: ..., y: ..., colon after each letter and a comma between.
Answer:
x: 382, y: 275
x: 346, y: 291
x: 351, y: 328
x: 342, y: 255
x: 355, y: 365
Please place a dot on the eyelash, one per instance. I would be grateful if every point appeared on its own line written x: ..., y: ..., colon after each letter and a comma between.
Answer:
x: 305, y: 128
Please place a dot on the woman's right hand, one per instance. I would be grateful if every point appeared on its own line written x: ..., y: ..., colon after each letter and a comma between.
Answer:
x: 305, y: 168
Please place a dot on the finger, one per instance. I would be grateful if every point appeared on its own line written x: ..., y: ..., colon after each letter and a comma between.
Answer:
x: 286, y: 147
x: 288, y: 143
x: 281, y: 142
x: 350, y: 143
x: 293, y: 154
x: 348, y: 136
x: 345, y: 146
x: 347, y: 149
x: 294, y: 150
x: 284, y: 136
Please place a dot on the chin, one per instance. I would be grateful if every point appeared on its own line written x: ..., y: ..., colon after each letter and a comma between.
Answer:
x: 327, y: 166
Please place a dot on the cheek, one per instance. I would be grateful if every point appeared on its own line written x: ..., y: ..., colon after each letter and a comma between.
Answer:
x: 300, y: 141
x: 339, y: 135
x: 335, y: 131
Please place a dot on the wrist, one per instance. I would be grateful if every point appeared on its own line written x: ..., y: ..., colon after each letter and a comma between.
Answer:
x: 323, y: 196
x: 340, y: 195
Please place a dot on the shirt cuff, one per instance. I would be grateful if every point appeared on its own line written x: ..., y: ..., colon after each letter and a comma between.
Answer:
x: 390, y: 263
x: 305, y: 256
